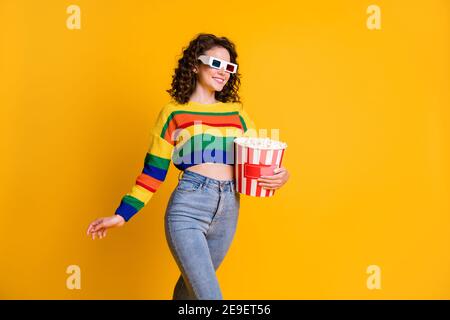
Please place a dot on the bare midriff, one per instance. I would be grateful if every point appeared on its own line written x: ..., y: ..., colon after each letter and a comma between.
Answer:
x: 218, y: 171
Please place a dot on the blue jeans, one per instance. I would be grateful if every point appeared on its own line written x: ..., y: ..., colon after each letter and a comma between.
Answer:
x: 200, y: 222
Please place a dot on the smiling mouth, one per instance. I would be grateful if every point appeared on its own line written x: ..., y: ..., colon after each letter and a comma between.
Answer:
x: 219, y: 80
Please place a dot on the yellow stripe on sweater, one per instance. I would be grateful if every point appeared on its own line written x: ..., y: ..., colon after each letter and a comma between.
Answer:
x: 141, y: 193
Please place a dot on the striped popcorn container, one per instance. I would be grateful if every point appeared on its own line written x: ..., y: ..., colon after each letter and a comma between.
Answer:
x: 255, y: 157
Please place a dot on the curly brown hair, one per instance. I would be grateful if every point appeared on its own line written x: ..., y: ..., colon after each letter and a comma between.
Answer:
x: 185, y: 79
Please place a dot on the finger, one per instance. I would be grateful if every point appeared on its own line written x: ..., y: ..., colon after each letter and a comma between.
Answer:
x: 269, y: 182
x: 91, y: 227
x: 276, y: 172
x: 277, y: 181
x: 96, y: 222
x: 104, y: 233
x: 275, y: 176
x: 263, y: 184
x: 269, y: 185
x: 96, y: 234
x: 268, y: 178
x: 269, y: 188
x: 99, y: 226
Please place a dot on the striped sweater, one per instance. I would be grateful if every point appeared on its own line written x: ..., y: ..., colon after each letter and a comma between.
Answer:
x: 186, y: 135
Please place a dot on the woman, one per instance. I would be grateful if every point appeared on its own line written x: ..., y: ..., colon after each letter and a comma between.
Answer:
x: 202, y: 212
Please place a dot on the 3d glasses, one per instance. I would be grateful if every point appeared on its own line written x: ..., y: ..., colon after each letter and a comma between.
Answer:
x: 217, y: 63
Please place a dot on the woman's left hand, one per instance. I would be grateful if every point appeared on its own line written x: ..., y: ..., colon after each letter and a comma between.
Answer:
x: 280, y: 177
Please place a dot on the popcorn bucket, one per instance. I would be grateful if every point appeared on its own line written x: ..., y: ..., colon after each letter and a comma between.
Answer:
x: 256, y: 157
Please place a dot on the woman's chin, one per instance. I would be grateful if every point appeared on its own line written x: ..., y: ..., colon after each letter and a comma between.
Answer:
x: 218, y: 88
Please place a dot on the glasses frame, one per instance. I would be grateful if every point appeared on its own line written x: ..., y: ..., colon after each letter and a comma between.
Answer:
x: 209, y: 60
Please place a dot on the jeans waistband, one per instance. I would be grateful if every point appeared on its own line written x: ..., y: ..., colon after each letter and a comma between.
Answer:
x: 218, y: 185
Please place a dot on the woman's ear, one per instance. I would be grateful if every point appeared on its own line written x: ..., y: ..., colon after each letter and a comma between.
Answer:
x: 195, y: 68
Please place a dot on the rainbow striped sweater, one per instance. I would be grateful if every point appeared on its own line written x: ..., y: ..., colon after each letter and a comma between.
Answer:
x: 186, y: 135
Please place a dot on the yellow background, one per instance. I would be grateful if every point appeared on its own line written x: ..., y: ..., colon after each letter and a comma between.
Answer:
x: 365, y: 114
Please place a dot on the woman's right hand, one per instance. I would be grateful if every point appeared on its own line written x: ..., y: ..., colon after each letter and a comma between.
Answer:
x: 98, y: 227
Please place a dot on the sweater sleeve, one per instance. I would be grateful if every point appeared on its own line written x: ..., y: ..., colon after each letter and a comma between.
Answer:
x: 155, y: 167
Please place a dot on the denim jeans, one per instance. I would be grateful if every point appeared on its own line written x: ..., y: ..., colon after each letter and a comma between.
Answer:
x: 200, y: 222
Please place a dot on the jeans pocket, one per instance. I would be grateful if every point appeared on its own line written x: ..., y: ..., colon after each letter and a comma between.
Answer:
x: 188, y: 185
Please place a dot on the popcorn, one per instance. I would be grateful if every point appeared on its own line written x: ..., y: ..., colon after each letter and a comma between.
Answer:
x: 260, y: 143
x: 256, y: 157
